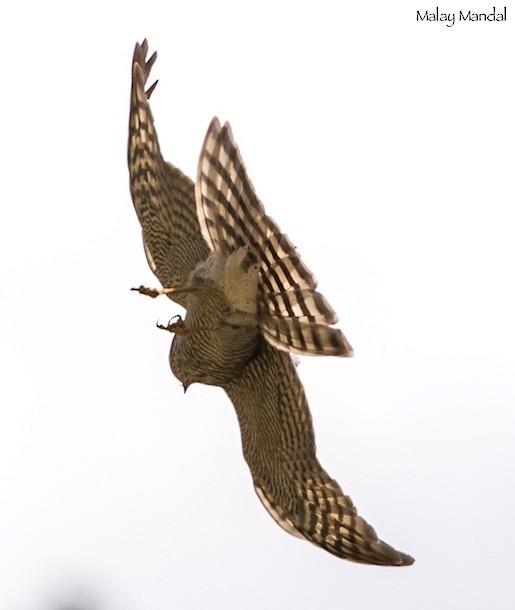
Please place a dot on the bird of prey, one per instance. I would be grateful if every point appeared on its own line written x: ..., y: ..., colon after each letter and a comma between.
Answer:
x: 250, y: 303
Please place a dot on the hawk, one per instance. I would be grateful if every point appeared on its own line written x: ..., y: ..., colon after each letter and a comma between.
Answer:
x: 250, y: 303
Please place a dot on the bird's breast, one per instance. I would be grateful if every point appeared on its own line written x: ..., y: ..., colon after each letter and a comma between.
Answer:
x: 212, y: 347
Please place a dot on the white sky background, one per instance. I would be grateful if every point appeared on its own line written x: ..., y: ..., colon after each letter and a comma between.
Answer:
x: 384, y: 148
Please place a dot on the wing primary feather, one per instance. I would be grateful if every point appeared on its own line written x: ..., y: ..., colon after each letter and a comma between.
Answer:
x: 163, y: 197
x: 279, y: 447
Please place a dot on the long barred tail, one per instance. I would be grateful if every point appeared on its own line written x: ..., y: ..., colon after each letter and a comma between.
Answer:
x: 292, y: 315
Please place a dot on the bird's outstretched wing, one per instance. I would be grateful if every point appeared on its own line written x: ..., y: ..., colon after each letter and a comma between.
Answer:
x: 164, y: 198
x: 279, y: 447
x: 292, y: 315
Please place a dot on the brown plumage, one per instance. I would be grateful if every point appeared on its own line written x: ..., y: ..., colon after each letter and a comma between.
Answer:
x: 249, y: 300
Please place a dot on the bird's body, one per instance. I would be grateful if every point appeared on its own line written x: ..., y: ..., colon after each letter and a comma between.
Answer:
x: 220, y: 338
x: 249, y: 300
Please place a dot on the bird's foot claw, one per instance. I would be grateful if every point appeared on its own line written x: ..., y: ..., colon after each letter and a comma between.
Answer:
x: 155, y: 292
x: 149, y: 292
x: 180, y: 328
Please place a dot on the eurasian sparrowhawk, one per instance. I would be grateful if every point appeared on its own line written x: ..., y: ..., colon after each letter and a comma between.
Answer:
x: 250, y: 300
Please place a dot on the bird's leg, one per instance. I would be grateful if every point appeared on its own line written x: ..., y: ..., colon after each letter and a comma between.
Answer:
x: 180, y: 328
x: 155, y: 292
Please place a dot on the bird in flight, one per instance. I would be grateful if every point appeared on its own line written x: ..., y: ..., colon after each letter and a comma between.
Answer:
x: 250, y: 303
